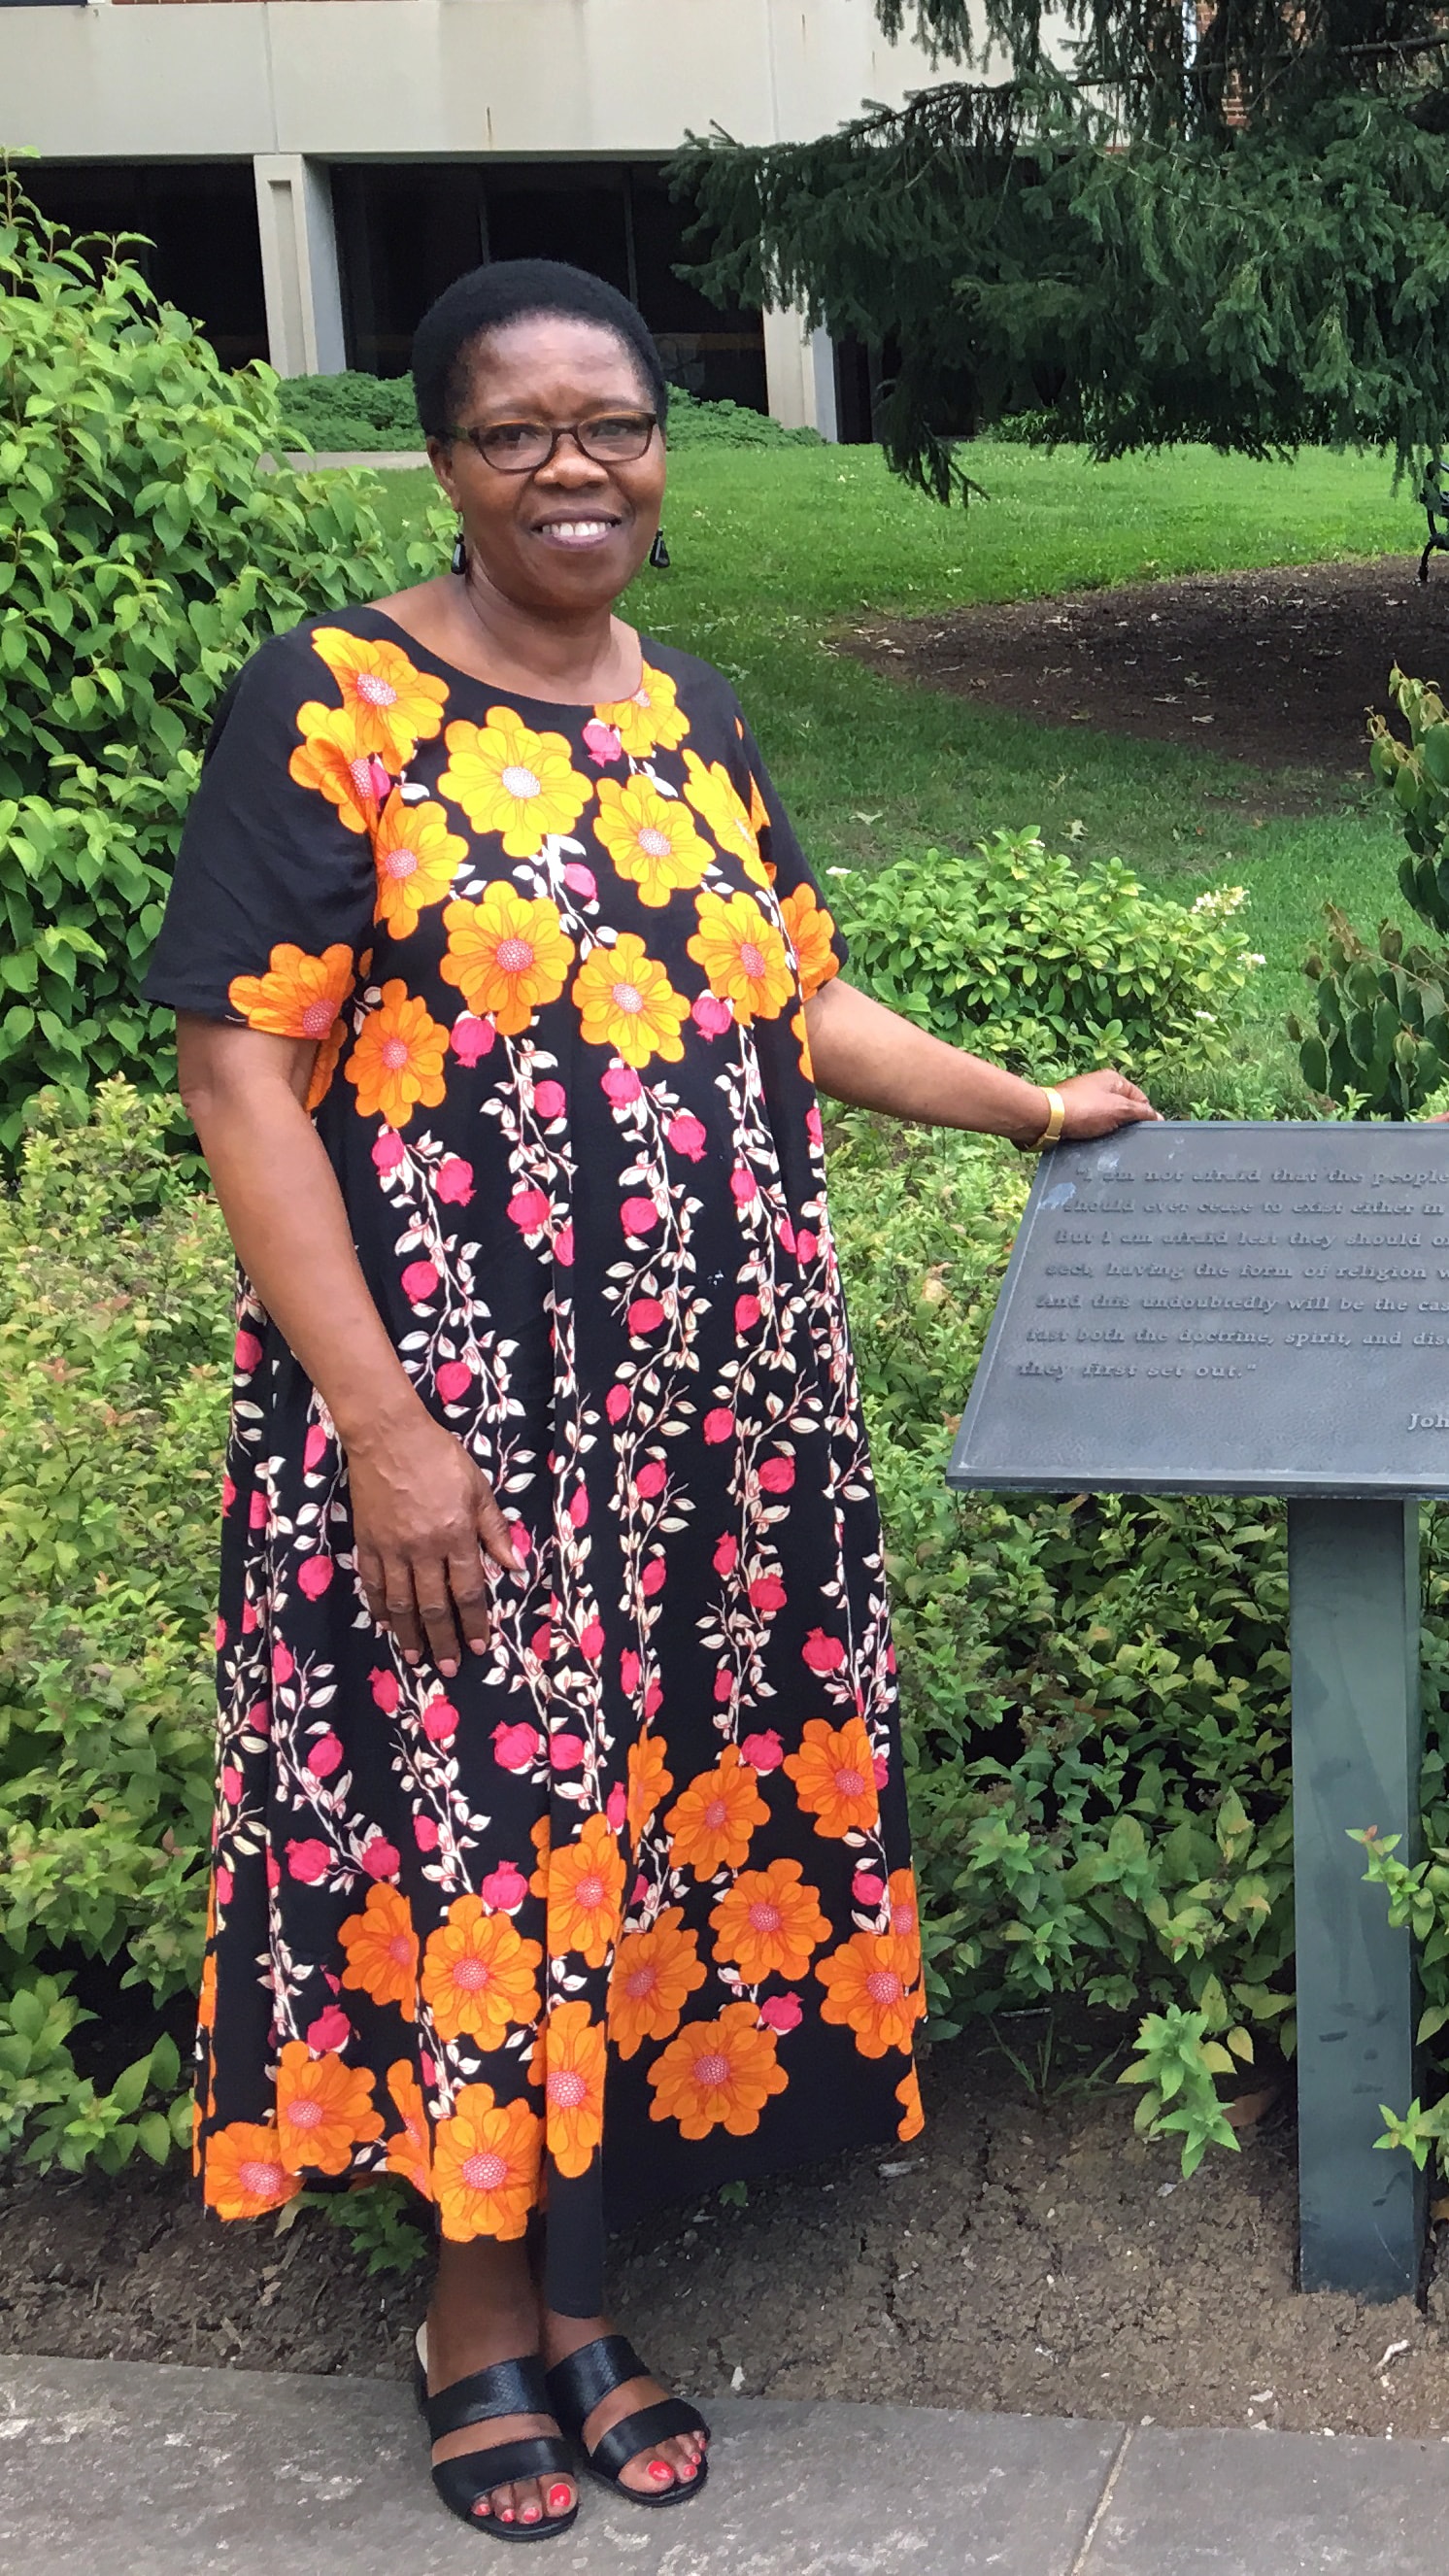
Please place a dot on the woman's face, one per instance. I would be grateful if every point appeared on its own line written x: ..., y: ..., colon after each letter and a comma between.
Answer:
x: 571, y: 534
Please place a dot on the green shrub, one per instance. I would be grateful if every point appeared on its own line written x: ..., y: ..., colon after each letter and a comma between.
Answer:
x: 142, y: 557
x: 1381, y: 1046
x: 1047, y: 967
x: 115, y: 1332
x: 335, y: 414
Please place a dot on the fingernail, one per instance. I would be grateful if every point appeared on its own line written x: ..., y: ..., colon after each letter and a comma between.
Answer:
x: 688, y: 2470
x: 559, y: 2499
x: 659, y: 2473
x: 412, y: 1659
x: 447, y: 1671
x: 478, y: 1645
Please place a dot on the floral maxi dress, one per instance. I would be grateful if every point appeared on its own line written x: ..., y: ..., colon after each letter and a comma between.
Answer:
x: 624, y: 1910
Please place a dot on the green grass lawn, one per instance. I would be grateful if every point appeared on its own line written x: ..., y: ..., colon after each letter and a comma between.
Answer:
x: 774, y: 551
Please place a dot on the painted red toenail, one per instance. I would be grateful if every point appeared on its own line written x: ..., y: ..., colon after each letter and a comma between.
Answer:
x: 530, y: 2513
x: 688, y: 2470
x: 559, y: 2499
x: 659, y: 2473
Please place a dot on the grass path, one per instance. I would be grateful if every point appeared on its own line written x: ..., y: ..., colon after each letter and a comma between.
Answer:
x: 775, y: 550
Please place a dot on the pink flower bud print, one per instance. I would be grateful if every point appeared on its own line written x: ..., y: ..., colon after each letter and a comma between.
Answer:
x: 440, y: 1719
x: 517, y: 1747
x: 224, y: 1886
x: 388, y: 1151
x: 257, y: 1510
x: 617, y: 1808
x: 579, y: 1507
x: 231, y: 1783
x: 330, y: 2030
x: 228, y: 1494
x: 823, y: 1654
x: 380, y: 1858
x: 504, y: 1888
x: 639, y: 1216
x: 763, y: 1752
x: 529, y: 1211
x: 651, y: 1478
x: 813, y: 1128
x: 621, y: 1084
x: 777, y: 1475
x: 718, y: 1424
x: 453, y: 1380
x: 710, y: 1015
x: 314, y: 1448
x: 471, y: 1038
x: 247, y: 1352
x: 419, y: 1282
x: 386, y: 1691
x: 747, y: 1314
x: 325, y: 1756
x: 581, y: 881
x: 313, y: 1576
x: 550, y: 1099
x: 767, y: 1593
x: 629, y: 1672
x: 867, y: 1889
x: 805, y: 1244
x: 645, y: 1315
x: 726, y: 1555
x: 687, y: 1136
x: 616, y: 1403
x: 425, y: 1833
x: 309, y: 1861
x: 591, y: 1640
x: 454, y: 1184
x: 602, y: 742
x: 652, y: 1578
x: 743, y: 1185
x: 283, y: 1665
x: 781, y: 2012
x: 566, y: 1752
x: 563, y: 1247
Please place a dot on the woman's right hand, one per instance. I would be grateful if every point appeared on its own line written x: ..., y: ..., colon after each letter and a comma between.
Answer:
x: 425, y: 1519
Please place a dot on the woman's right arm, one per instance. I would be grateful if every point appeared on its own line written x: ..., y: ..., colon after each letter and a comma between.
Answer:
x: 423, y: 1512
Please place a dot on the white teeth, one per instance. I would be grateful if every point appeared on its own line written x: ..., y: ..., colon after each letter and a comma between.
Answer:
x: 579, y: 527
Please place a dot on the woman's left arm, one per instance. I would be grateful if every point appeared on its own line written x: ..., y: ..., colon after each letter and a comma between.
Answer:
x: 871, y: 1058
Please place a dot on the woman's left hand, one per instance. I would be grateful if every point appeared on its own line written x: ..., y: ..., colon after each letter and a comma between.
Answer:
x: 1099, y: 1103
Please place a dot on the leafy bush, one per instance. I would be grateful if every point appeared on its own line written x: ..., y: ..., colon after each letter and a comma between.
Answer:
x: 1381, y: 1047
x: 115, y: 1305
x: 334, y: 414
x: 141, y: 559
x: 1047, y: 967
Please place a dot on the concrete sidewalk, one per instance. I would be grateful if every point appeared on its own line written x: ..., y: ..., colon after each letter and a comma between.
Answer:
x: 136, y: 2470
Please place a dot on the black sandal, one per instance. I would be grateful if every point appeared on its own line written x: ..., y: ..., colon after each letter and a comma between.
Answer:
x: 508, y: 2388
x: 576, y: 2386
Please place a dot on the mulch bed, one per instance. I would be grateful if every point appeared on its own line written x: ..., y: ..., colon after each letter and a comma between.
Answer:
x: 1027, y: 2253
x: 1276, y: 669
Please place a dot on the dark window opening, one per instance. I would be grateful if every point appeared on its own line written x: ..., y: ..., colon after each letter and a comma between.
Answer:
x: 202, y: 249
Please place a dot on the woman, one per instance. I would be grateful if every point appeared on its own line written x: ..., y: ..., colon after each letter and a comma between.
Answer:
x: 557, y: 1718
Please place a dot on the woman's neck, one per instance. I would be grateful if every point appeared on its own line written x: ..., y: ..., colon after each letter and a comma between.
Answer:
x: 589, y: 659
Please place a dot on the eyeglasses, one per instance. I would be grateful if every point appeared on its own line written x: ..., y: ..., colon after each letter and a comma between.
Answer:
x: 524, y: 446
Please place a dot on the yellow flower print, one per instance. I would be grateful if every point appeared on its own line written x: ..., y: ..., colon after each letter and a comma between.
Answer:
x: 508, y: 954
x: 569, y: 2061
x: 913, y: 2117
x: 810, y: 931
x: 331, y: 759
x: 743, y: 956
x: 650, y: 838
x: 416, y: 858
x: 509, y: 779
x: 718, y: 802
x: 398, y: 1059
x: 717, y: 2074
x: 626, y: 1001
x: 244, y: 2173
x: 486, y: 2161
x: 298, y: 997
x: 395, y: 706
x: 652, y: 720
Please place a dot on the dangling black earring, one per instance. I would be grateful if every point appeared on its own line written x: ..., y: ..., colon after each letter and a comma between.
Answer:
x: 659, y: 553
x: 460, y: 551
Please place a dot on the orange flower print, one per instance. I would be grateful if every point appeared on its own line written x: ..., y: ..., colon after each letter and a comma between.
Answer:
x: 244, y: 2175
x: 650, y: 838
x: 743, y: 956
x: 655, y: 1973
x: 810, y: 930
x: 330, y: 759
x: 768, y: 1922
x: 905, y: 1915
x: 760, y: 817
x: 416, y: 858
x: 382, y: 1951
x: 486, y: 2166
x: 652, y: 720
x: 511, y: 780
x: 324, y: 2109
x: 718, y: 802
x: 801, y: 1036
x: 627, y: 1002
x: 508, y: 954
x: 649, y: 1782
x: 398, y: 1059
x: 394, y: 706
x: 710, y: 1826
x: 834, y: 1776
x: 407, y: 2150
x: 867, y: 1993
x: 585, y: 1893
x: 913, y: 2117
x: 298, y: 997
x: 569, y: 2059
x: 539, y: 1835
x: 717, y: 2074
x: 206, y: 2000
x: 478, y: 1974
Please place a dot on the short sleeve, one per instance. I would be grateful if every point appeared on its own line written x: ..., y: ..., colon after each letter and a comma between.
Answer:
x: 819, y: 945
x: 272, y: 902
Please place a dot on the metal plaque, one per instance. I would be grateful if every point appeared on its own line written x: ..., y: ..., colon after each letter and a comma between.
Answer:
x: 1227, y: 1309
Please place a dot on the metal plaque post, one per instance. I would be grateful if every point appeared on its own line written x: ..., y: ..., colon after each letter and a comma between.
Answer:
x: 1353, y: 1589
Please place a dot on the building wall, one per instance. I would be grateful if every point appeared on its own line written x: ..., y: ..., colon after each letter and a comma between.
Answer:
x: 385, y: 79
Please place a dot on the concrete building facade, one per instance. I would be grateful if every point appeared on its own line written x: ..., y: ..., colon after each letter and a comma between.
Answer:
x: 312, y: 172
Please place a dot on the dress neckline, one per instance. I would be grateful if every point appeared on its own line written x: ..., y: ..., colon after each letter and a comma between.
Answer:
x: 496, y: 688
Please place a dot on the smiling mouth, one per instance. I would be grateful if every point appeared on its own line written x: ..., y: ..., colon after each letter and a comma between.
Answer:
x: 594, y: 530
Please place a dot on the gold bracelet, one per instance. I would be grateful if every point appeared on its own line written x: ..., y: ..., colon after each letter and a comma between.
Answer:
x: 1056, y: 1121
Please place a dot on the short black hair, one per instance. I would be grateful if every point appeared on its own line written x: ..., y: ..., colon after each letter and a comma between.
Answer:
x: 511, y: 290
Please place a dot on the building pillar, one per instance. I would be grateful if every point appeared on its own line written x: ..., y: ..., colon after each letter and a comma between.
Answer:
x: 800, y: 374
x: 299, y: 265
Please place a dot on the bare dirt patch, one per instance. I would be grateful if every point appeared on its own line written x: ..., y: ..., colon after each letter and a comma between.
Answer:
x: 1275, y: 669
x: 1024, y: 2254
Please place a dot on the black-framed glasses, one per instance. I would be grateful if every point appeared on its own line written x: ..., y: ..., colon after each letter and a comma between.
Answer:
x: 523, y: 446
